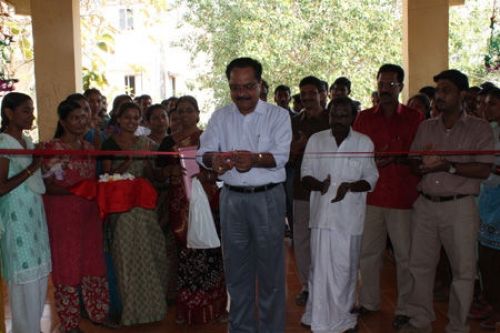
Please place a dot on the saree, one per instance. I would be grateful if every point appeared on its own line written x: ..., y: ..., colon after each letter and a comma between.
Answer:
x: 201, y: 291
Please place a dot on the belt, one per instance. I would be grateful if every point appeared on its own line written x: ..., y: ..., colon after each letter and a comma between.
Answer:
x: 251, y: 189
x: 437, y: 198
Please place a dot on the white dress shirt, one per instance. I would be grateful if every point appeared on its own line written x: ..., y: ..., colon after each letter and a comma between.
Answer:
x: 265, y: 130
x: 346, y: 216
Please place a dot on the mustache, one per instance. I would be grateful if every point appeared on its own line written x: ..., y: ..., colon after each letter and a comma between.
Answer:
x: 243, y: 98
x: 385, y: 94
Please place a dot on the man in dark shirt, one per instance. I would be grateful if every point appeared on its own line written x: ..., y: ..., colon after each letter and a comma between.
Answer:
x: 341, y: 87
x: 311, y: 120
x: 283, y: 97
x: 297, y: 103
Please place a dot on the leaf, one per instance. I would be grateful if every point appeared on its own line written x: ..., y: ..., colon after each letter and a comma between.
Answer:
x: 103, y: 46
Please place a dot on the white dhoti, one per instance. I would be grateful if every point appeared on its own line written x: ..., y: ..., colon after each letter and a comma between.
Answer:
x: 332, y: 281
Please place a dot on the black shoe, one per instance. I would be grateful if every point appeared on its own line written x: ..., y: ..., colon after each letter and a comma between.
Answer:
x: 400, y: 321
x: 301, y: 299
x: 361, y: 311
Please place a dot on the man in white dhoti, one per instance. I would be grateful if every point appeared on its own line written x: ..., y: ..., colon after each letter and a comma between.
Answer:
x: 336, y: 224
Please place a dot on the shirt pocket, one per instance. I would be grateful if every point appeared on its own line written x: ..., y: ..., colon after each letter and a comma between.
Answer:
x: 352, y: 170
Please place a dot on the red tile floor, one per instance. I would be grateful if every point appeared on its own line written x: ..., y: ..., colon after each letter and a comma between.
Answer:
x: 374, y: 323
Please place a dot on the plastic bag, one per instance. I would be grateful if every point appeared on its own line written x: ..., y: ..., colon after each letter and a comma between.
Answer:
x: 201, y: 227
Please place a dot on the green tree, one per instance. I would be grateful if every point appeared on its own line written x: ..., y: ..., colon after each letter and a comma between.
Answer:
x: 295, y: 38
x: 98, y: 37
x: 16, y: 47
x: 328, y: 38
x: 470, y: 32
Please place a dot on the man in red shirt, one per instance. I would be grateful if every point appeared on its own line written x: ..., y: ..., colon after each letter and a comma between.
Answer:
x: 391, y: 126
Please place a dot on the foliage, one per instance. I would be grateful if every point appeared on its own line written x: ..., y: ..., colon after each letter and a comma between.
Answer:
x: 492, y: 59
x: 16, y: 48
x: 470, y: 38
x: 330, y: 38
x: 98, y: 39
x: 295, y: 38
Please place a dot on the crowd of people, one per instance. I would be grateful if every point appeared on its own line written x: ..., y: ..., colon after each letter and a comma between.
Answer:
x: 420, y: 180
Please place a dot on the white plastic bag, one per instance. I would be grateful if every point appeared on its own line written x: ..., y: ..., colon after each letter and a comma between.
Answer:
x: 201, y: 227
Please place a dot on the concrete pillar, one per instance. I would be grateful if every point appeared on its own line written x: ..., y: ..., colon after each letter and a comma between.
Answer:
x: 57, y: 50
x: 425, y: 42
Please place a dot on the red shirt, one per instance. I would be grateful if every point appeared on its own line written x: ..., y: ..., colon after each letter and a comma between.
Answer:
x: 396, y: 186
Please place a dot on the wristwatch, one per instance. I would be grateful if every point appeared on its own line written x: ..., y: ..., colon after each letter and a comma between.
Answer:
x: 452, y: 169
x: 257, y: 158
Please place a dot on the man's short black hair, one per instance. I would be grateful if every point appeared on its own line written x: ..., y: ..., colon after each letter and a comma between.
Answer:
x: 458, y: 78
x: 91, y: 91
x: 341, y: 81
x: 474, y: 89
x: 494, y: 92
x: 265, y: 84
x: 344, y: 100
x: 282, y: 87
x: 392, y: 68
x: 424, y: 100
x: 429, y: 91
x: 245, y: 62
x: 144, y: 96
x: 486, y: 87
x: 324, y: 86
x: 76, y: 97
x: 296, y: 98
x: 312, y: 80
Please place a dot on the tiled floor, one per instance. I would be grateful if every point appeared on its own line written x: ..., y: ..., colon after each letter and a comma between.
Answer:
x: 374, y: 323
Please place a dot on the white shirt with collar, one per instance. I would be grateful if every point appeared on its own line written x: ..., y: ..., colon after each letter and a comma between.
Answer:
x: 266, y: 129
x: 346, y: 216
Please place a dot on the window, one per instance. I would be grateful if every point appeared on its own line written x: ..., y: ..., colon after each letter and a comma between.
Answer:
x: 126, y: 19
x: 171, y: 81
x: 130, y: 84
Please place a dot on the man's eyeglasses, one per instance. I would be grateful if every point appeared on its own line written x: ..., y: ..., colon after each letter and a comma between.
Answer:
x: 391, y: 84
x: 246, y: 86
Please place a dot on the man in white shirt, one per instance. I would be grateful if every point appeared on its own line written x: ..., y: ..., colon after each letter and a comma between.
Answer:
x: 338, y: 185
x: 247, y: 143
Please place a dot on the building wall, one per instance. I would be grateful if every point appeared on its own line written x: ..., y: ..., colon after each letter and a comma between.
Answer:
x: 148, y: 52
